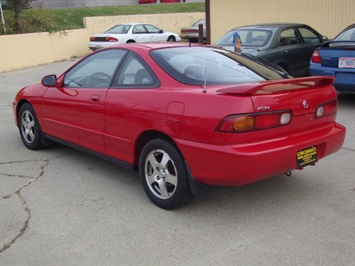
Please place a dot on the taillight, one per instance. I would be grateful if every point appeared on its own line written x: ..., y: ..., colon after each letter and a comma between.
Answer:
x: 254, y: 122
x: 189, y: 31
x: 92, y: 39
x: 111, y: 39
x: 326, y: 109
x: 316, y: 57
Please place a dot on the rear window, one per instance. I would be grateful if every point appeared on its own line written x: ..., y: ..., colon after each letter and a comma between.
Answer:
x: 248, y: 37
x: 347, y: 35
x: 119, y: 29
x: 195, y: 65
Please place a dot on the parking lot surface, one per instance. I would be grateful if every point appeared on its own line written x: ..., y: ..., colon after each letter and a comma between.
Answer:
x: 59, y: 206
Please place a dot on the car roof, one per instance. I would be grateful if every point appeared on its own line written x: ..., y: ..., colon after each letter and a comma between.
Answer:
x: 154, y: 45
x: 271, y: 25
x: 127, y: 23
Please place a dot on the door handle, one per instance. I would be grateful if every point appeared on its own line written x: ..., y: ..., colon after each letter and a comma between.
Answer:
x: 95, y: 98
x: 285, y: 52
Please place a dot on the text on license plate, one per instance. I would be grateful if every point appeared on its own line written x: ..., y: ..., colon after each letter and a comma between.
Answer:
x: 307, y: 156
x: 346, y: 62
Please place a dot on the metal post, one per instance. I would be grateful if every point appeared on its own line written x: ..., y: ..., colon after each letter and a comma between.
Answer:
x: 2, y: 18
x: 200, y: 33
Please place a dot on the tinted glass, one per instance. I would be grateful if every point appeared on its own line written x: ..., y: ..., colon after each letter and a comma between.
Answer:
x: 348, y: 35
x: 119, y: 29
x: 95, y: 71
x: 139, y: 29
x: 134, y: 73
x: 194, y: 65
x: 248, y: 37
x: 152, y: 29
x: 309, y: 36
x: 288, y: 37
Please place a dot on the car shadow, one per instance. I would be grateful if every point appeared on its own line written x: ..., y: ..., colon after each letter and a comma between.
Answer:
x: 346, y: 99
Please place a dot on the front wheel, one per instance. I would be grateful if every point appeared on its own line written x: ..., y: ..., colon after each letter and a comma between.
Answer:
x: 163, y: 175
x: 29, y: 128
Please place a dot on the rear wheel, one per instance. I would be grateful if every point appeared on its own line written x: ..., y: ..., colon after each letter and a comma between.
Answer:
x: 171, y: 39
x: 29, y: 128
x: 163, y: 175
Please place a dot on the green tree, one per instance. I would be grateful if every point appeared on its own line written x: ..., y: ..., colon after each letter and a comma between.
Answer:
x: 17, y: 6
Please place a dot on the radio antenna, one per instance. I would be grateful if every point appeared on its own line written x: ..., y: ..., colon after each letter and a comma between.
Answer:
x: 205, y: 82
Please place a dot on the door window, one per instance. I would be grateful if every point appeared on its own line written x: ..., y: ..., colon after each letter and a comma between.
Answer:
x: 95, y: 71
x: 139, y: 29
x: 309, y: 36
x: 288, y: 37
x: 152, y: 29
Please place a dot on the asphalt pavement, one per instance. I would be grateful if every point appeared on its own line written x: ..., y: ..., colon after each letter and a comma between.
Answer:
x: 59, y: 206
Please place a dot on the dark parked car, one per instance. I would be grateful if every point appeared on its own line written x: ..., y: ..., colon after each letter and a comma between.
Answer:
x: 184, y: 115
x: 337, y: 58
x: 288, y: 45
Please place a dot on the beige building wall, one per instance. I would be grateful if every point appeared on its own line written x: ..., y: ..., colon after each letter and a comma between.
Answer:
x: 26, y: 50
x: 328, y: 17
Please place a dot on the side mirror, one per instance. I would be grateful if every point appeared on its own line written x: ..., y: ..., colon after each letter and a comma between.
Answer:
x: 161, y: 31
x: 324, y: 38
x: 49, y: 81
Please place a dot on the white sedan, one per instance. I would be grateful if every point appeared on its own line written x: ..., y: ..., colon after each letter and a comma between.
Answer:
x: 131, y: 33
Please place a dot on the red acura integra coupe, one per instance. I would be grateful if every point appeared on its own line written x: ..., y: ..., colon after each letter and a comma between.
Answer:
x: 185, y: 116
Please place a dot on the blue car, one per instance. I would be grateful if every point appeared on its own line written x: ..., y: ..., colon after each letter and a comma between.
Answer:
x: 337, y: 58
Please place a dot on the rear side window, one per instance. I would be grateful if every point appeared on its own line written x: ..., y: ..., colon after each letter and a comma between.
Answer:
x: 134, y: 73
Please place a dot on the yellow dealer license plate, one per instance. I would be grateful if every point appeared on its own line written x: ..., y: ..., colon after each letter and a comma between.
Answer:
x: 306, y: 157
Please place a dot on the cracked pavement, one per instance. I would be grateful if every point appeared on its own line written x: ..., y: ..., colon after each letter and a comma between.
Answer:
x: 13, y: 180
x: 59, y: 206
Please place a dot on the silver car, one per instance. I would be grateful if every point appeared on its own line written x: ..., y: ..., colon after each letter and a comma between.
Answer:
x: 131, y: 33
x: 191, y: 33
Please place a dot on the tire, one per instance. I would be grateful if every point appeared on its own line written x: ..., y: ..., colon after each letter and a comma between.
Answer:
x: 29, y: 128
x: 163, y: 175
x: 171, y: 39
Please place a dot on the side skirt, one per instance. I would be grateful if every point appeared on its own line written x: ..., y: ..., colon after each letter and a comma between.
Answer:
x: 94, y: 153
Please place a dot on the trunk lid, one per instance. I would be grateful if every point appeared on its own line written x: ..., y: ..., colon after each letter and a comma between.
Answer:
x: 331, y: 52
x: 300, y: 95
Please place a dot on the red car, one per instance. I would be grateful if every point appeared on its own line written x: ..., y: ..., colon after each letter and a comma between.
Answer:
x: 184, y: 115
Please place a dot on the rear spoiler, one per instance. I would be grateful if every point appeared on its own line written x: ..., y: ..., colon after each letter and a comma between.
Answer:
x: 342, y: 44
x: 269, y: 87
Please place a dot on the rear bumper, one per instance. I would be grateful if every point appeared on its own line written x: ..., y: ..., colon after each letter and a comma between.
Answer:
x: 344, y: 78
x: 98, y: 45
x: 232, y: 165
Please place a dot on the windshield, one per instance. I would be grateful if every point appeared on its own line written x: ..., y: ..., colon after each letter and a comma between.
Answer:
x: 194, y: 65
x: 248, y: 37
